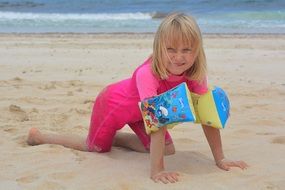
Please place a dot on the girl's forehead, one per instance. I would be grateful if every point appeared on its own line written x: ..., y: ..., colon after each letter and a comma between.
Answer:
x: 176, y: 41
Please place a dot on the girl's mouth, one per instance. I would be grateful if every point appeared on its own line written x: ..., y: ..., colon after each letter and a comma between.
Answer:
x: 179, y: 64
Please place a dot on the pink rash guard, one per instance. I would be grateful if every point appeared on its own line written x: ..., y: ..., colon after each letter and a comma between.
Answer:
x: 117, y: 105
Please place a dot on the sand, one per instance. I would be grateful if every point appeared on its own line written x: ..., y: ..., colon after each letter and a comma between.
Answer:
x: 50, y: 81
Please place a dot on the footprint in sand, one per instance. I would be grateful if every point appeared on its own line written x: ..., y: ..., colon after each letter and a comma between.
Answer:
x: 79, y: 90
x: 18, y: 79
x: 243, y: 131
x: 266, y: 133
x: 27, y: 179
x: 49, y: 185
x: 70, y: 93
x: 49, y: 86
x: 9, y: 129
x: 275, y: 184
x: 79, y: 155
x: 60, y: 118
x: 185, y: 140
x: 62, y: 175
x: 88, y: 102
x: 79, y: 111
x: 75, y: 83
x: 278, y: 140
x: 19, y: 112
x: 15, y: 108
x: 82, y: 111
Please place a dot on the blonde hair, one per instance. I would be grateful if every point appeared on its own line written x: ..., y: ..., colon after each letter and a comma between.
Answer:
x: 176, y: 28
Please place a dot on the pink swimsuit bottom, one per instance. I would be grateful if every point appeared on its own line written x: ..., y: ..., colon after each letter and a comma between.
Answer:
x: 112, y: 110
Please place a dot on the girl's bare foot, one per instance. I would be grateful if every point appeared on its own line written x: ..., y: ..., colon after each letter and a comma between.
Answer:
x: 34, y: 137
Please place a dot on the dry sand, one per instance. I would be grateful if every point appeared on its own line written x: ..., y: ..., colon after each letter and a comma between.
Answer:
x: 49, y: 81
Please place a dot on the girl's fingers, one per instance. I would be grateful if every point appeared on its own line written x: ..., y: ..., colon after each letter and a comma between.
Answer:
x: 239, y: 164
x: 165, y: 178
x: 170, y: 179
x: 234, y: 164
x: 156, y: 180
x: 227, y: 164
x: 245, y: 165
x: 175, y: 176
x: 242, y: 164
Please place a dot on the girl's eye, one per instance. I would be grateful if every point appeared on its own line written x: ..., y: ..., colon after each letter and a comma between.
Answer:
x: 187, y: 50
x: 170, y: 50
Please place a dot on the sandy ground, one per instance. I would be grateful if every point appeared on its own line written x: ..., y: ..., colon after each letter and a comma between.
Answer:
x: 49, y: 81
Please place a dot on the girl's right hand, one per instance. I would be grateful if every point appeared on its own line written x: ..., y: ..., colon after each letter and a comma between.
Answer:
x: 165, y: 177
x: 226, y: 164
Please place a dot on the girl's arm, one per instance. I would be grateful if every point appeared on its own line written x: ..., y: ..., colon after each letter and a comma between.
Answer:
x: 214, y: 139
x: 157, y: 149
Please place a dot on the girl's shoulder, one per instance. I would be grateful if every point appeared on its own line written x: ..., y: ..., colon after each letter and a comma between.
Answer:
x: 198, y: 87
x: 147, y: 83
x: 144, y: 71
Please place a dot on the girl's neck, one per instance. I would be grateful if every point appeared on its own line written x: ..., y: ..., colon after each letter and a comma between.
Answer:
x: 174, y: 78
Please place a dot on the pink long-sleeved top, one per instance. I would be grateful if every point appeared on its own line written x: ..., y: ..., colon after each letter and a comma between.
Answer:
x: 117, y: 105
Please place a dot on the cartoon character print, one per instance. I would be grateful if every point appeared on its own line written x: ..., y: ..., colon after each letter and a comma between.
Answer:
x: 148, y: 111
x: 162, y: 104
x: 159, y: 110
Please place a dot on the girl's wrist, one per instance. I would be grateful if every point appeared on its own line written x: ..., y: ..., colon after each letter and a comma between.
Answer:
x: 220, y: 160
x: 155, y: 171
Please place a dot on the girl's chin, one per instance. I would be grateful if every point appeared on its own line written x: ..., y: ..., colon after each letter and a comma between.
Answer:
x: 177, y: 73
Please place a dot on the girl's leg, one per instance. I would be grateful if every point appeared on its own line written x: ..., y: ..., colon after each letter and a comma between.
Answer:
x: 35, y: 137
x: 130, y: 141
x: 140, y: 141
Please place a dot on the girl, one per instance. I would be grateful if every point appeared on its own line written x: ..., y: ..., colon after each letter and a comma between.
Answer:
x: 177, y: 57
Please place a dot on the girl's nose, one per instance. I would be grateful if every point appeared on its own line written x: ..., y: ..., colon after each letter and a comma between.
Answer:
x: 178, y: 57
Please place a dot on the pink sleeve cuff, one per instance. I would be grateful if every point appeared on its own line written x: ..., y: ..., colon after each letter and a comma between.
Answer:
x: 199, y: 88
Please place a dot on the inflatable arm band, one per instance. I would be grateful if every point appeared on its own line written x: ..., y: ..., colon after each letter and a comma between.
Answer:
x: 179, y: 105
x: 167, y: 109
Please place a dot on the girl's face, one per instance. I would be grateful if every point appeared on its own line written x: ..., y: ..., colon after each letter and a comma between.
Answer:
x: 180, y: 58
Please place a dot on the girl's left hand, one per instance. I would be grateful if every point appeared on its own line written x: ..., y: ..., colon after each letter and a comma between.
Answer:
x: 226, y: 164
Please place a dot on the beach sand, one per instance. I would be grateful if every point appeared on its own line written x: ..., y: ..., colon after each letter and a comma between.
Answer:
x: 50, y: 81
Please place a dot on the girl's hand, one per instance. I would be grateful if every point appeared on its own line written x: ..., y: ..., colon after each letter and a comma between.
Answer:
x: 226, y: 164
x: 165, y: 177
